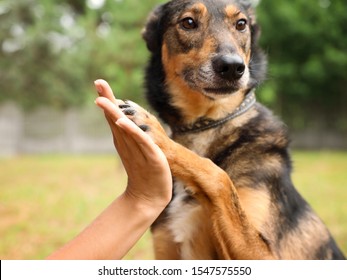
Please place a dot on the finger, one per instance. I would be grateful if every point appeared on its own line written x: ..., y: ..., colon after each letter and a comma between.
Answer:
x: 112, y: 113
x: 111, y: 109
x: 118, y: 136
x: 139, y: 140
x: 144, y: 141
x: 132, y: 149
x: 114, y: 130
x: 104, y: 90
x: 126, y: 146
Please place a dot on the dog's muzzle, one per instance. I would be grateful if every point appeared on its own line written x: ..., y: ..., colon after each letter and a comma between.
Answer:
x: 230, y: 67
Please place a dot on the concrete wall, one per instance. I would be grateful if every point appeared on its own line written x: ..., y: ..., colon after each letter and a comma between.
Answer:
x: 77, y: 131
x: 51, y: 131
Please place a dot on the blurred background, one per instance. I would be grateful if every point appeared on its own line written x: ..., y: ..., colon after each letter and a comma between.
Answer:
x: 58, y: 168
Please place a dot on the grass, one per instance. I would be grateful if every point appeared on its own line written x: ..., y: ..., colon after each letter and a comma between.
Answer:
x: 321, y: 177
x: 46, y: 200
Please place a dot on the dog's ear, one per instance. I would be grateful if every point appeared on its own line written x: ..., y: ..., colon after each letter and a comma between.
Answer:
x: 252, y: 3
x: 151, y: 33
x: 250, y: 7
x: 259, y: 60
x: 251, y: 11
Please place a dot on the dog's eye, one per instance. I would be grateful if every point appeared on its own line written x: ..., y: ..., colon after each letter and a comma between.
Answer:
x: 188, y: 23
x: 241, y: 25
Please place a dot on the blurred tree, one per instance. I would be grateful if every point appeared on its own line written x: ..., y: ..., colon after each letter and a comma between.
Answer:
x: 79, y: 6
x: 307, y: 47
x: 38, y: 59
x: 52, y: 50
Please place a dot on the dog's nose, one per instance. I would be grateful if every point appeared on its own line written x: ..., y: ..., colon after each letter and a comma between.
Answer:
x: 229, y: 67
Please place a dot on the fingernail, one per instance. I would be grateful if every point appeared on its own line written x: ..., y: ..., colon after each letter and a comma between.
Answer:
x: 98, y: 87
x: 96, y: 103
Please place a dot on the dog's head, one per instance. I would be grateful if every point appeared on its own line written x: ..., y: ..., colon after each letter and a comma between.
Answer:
x: 206, y: 46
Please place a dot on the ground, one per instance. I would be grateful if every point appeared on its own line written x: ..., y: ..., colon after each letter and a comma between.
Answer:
x: 46, y: 200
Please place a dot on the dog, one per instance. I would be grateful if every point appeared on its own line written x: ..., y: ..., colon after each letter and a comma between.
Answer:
x: 233, y: 197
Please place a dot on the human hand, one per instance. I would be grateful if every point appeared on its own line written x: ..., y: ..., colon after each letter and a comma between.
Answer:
x: 149, y: 176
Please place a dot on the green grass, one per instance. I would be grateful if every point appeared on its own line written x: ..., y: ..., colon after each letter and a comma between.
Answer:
x: 321, y: 177
x: 46, y: 200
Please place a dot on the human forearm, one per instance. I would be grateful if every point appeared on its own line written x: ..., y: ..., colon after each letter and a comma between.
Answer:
x: 149, y: 190
x: 112, y: 233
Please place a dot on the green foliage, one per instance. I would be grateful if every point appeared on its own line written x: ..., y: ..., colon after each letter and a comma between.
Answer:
x: 36, y: 67
x: 51, y: 51
x: 306, y: 43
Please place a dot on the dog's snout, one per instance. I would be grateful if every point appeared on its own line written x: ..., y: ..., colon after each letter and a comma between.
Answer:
x: 229, y: 67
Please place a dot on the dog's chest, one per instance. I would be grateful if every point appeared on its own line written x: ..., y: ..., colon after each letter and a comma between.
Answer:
x: 189, y: 226
x: 182, y: 211
x: 200, y: 143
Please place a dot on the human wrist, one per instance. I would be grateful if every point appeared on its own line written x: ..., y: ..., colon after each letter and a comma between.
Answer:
x: 149, y: 209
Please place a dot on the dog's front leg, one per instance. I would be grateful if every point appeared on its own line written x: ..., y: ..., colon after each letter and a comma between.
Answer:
x: 232, y: 232
x: 233, y: 235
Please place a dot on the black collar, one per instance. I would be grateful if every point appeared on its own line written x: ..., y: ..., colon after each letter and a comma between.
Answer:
x: 203, y: 124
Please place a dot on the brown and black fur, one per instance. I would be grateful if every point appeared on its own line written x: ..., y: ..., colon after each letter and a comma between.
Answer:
x: 233, y: 194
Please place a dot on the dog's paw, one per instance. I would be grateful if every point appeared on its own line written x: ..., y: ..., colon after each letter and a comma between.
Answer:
x: 136, y: 113
x: 144, y: 120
